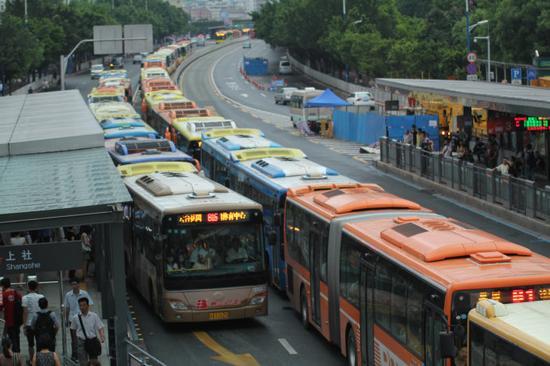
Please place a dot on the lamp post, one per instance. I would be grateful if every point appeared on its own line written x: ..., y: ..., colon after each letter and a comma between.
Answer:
x: 488, y: 39
x: 344, y: 8
x: 481, y: 22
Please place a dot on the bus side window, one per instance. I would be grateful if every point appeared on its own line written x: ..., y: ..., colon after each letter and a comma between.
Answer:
x: 324, y: 249
x: 414, y: 317
x: 398, y: 307
x: 349, y: 272
x: 382, y: 299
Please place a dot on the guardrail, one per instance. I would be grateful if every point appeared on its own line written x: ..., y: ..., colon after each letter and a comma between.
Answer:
x: 515, y: 194
x: 138, y: 356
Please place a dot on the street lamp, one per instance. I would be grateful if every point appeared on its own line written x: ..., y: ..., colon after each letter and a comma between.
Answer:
x: 488, y: 39
x: 471, y: 28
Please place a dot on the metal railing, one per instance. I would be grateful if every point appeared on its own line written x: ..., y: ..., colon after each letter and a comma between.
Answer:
x: 516, y: 194
x: 138, y: 356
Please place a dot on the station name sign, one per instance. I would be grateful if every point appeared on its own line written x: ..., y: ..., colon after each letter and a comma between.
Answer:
x: 533, y: 123
x: 57, y: 256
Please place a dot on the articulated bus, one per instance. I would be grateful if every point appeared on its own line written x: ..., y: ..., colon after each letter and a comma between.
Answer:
x: 193, y: 248
x: 391, y: 283
x: 514, y: 334
x: 131, y: 151
x: 265, y: 175
x: 104, y: 111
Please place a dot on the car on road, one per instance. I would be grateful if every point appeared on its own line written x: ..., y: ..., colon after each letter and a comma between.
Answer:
x: 96, y: 70
x: 362, y: 98
x: 284, y: 67
x: 247, y: 44
x: 283, y: 95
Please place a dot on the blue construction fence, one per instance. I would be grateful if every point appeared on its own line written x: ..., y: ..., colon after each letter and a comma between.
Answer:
x: 367, y: 128
x: 255, y: 66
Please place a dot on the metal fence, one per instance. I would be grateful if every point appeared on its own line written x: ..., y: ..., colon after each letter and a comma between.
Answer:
x: 138, y: 356
x: 516, y: 194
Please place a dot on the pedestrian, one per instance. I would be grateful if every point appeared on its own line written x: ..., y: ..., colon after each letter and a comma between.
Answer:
x: 88, y: 328
x: 18, y: 239
x: 415, y: 135
x: 30, y: 308
x: 479, y: 149
x: 447, y: 149
x: 45, y: 356
x: 8, y: 357
x: 45, y: 323
x: 13, y: 313
x: 72, y: 309
x: 530, y: 162
x: 408, y: 137
x: 86, y: 244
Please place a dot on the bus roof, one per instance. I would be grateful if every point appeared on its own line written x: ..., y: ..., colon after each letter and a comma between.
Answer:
x: 103, y: 111
x: 149, y: 150
x: 187, y: 112
x: 227, y: 144
x: 231, y: 131
x: 121, y: 122
x: 524, y: 324
x: 451, y: 253
x: 192, y: 128
x: 173, y: 193
x: 266, y: 153
x: 129, y: 131
x: 156, y: 167
x: 107, y: 90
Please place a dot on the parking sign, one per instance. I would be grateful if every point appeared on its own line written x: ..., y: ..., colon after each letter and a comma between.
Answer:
x: 516, y: 75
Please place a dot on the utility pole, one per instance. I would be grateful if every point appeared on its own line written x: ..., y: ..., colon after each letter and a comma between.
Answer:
x: 26, y: 14
x: 467, y: 25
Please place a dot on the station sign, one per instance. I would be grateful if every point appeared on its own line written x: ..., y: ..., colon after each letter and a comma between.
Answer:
x: 516, y: 75
x: 533, y: 123
x: 43, y: 257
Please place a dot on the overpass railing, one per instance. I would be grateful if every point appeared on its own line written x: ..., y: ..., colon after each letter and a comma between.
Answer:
x: 515, y: 194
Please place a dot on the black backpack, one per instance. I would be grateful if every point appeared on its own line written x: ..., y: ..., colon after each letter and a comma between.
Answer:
x: 44, y: 324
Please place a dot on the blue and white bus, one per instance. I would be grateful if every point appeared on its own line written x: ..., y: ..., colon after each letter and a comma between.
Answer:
x: 265, y: 175
x: 130, y: 131
x: 219, y: 145
x: 117, y: 122
x: 131, y: 151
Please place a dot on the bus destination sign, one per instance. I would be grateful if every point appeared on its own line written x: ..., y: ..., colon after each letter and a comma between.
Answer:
x: 213, y: 217
x: 533, y: 123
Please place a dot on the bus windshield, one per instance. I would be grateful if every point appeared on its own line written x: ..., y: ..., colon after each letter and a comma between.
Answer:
x: 204, y: 250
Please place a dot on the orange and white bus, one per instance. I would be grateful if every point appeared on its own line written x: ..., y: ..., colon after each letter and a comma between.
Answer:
x: 391, y: 283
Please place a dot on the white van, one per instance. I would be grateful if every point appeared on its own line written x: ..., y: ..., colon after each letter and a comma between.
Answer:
x: 284, y: 67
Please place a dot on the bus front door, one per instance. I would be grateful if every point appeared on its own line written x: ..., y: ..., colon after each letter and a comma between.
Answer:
x: 315, y: 270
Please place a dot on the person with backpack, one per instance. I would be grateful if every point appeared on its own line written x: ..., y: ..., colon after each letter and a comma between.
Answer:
x: 13, y: 313
x: 45, y: 323
x: 30, y: 308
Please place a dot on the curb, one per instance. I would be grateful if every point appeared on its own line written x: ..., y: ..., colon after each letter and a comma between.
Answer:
x: 526, y: 222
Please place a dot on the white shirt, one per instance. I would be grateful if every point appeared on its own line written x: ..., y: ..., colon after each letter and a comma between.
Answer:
x: 30, y: 301
x: 199, y: 251
x: 18, y: 240
x: 233, y: 255
x: 92, y: 325
x: 71, y: 302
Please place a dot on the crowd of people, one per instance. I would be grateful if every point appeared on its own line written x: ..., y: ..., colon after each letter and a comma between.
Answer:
x: 40, y: 325
x: 523, y: 164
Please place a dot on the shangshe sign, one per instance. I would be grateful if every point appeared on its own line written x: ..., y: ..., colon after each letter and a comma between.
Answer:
x: 43, y: 257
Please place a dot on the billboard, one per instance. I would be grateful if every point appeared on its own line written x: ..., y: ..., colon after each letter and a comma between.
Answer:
x: 132, y: 31
x: 103, y: 39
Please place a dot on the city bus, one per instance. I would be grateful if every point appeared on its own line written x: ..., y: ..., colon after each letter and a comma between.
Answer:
x: 193, y: 248
x: 132, y: 170
x: 265, y: 175
x: 299, y: 113
x: 383, y: 278
x: 131, y: 151
x: 129, y: 131
x: 164, y: 100
x: 152, y: 61
x: 154, y: 72
x: 509, y: 334
x: 107, y: 94
x: 187, y: 132
x: 218, y: 146
x: 155, y: 84
x: 118, y: 81
x: 104, y: 111
x: 160, y: 119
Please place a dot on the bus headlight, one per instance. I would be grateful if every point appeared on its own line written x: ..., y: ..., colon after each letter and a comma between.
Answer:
x: 257, y: 300
x: 176, y: 305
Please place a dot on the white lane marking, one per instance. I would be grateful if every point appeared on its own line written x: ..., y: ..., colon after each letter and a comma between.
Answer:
x: 263, y: 95
x: 245, y: 95
x: 287, y: 346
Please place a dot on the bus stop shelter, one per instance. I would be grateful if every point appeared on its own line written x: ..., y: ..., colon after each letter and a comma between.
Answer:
x: 55, y: 172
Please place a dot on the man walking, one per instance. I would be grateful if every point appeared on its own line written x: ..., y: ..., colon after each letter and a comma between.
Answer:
x: 72, y: 309
x: 88, y: 327
x: 13, y: 313
x: 30, y: 308
x: 45, y: 322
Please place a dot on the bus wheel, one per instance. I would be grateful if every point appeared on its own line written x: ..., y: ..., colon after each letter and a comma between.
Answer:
x: 351, y: 349
x: 303, y: 309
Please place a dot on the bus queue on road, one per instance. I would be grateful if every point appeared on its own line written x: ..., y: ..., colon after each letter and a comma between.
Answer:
x: 384, y: 279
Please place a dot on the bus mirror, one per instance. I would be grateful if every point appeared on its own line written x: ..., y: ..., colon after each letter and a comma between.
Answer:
x: 447, y: 344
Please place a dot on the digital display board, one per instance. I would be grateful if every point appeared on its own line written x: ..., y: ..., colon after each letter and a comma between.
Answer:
x: 213, y: 217
x: 533, y: 123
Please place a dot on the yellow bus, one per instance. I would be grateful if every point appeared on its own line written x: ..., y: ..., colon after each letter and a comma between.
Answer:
x: 516, y: 334
x: 104, y: 111
x: 106, y: 94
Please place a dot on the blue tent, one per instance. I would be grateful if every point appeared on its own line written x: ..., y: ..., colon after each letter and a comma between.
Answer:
x: 327, y: 99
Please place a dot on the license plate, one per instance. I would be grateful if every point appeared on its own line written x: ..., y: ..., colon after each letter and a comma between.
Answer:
x: 222, y: 315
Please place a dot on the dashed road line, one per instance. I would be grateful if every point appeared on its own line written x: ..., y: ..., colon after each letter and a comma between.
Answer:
x: 287, y: 346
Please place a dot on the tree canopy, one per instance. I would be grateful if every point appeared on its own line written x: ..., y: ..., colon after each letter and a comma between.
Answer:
x: 54, y: 28
x: 403, y: 38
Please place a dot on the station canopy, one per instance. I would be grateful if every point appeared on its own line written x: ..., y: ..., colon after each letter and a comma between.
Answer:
x: 493, y: 96
x: 53, y: 164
